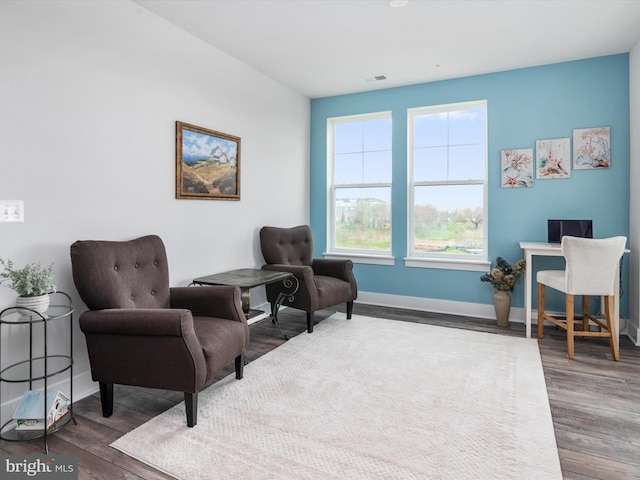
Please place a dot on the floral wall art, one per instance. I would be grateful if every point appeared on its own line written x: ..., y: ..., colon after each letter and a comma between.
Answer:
x: 553, y: 158
x: 517, y: 168
x: 592, y: 148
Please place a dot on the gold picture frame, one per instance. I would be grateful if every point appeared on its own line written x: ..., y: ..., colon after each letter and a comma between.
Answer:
x: 207, y: 164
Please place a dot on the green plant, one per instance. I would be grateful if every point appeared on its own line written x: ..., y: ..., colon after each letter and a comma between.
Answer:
x: 504, y: 276
x: 30, y: 281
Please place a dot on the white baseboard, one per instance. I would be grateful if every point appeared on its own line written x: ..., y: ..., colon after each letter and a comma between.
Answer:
x: 474, y: 310
x: 633, y: 332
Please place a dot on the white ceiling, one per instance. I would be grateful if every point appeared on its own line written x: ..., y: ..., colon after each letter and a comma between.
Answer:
x: 325, y: 47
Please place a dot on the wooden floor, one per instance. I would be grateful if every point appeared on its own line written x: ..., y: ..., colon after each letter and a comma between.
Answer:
x: 595, y: 403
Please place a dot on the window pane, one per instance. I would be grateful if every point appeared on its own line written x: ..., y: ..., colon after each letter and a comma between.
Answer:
x: 430, y: 130
x: 377, y: 134
x: 361, y: 155
x: 448, y: 219
x: 348, y: 168
x: 466, y: 162
x: 430, y: 164
x: 467, y: 126
x: 363, y: 218
x: 348, y: 137
x: 377, y: 167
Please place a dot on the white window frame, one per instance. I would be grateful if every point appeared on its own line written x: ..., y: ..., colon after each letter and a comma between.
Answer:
x: 442, y: 260
x: 376, y: 257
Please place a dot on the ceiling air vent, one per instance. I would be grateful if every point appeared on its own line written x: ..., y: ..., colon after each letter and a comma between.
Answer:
x: 374, y: 78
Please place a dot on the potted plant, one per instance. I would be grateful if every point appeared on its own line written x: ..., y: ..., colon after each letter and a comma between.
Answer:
x: 503, y: 278
x: 32, y: 283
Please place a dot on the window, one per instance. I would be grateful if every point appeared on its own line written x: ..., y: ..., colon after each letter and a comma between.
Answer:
x: 359, y: 182
x: 447, y: 169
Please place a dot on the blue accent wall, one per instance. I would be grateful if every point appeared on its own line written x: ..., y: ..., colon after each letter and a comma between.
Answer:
x: 524, y: 105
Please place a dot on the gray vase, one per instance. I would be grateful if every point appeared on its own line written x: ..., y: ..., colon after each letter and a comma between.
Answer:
x: 502, y: 304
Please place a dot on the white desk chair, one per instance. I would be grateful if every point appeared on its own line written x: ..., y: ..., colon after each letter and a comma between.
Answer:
x: 591, y: 270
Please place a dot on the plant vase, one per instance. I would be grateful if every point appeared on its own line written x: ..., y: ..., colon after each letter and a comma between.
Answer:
x: 502, y: 305
x: 39, y: 303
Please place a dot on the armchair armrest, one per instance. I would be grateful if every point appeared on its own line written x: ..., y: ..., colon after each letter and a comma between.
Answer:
x: 135, y: 321
x: 304, y: 273
x: 218, y: 301
x: 333, y: 267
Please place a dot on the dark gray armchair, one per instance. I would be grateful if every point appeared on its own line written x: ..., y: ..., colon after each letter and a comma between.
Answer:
x: 323, y: 282
x: 142, y: 332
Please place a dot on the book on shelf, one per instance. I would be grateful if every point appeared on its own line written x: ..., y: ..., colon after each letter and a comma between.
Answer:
x: 29, y: 414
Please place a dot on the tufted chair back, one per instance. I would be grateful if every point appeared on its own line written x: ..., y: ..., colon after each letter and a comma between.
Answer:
x: 287, y: 246
x: 131, y: 274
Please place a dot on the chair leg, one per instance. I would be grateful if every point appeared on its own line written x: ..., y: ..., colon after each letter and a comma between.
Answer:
x: 585, y: 313
x: 570, y: 319
x: 349, y: 309
x: 106, y: 398
x: 273, y: 309
x: 191, y: 405
x: 611, y: 327
x: 541, y: 293
x: 310, y: 322
x: 240, y: 365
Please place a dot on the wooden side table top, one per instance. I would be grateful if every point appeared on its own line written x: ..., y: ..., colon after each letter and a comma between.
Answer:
x: 243, y: 278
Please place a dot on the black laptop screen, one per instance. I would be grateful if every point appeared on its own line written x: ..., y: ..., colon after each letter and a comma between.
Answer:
x: 556, y: 229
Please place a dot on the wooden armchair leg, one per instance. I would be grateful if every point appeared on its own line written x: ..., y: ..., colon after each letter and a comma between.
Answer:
x: 611, y: 327
x: 585, y: 314
x: 191, y: 405
x: 570, y: 326
x: 106, y: 398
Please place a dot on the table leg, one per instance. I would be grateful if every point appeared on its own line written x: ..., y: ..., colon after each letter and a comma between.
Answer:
x: 616, y: 307
x: 291, y: 284
x: 527, y: 294
x: 245, y: 299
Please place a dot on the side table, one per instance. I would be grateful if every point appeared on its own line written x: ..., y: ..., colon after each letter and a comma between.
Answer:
x: 39, y: 364
x: 248, y: 278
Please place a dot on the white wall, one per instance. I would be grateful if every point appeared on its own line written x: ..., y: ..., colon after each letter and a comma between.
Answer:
x: 633, y: 329
x: 89, y: 96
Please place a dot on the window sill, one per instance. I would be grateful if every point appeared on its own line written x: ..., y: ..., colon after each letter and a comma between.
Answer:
x: 448, y: 264
x: 362, y: 258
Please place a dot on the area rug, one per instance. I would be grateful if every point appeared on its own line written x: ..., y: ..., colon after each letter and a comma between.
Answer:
x: 367, y: 399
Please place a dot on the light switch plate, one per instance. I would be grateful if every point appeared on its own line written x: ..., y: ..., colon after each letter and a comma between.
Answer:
x: 11, y: 211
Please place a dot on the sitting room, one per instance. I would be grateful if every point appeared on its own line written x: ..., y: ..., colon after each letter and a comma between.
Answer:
x: 411, y: 144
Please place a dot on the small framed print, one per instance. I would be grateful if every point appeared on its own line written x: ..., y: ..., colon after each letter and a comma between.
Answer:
x: 517, y: 168
x: 553, y: 158
x: 592, y: 148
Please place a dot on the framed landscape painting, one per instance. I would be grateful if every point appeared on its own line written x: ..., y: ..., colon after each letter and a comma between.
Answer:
x: 207, y: 164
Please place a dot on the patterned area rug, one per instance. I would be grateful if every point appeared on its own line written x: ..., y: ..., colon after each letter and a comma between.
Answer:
x: 367, y: 399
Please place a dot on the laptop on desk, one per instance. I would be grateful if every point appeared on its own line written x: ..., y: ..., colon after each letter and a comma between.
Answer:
x: 556, y: 229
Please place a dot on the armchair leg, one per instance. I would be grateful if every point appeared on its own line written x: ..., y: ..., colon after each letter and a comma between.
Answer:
x: 349, y: 309
x: 240, y: 365
x: 106, y: 398
x: 310, y: 322
x: 191, y: 404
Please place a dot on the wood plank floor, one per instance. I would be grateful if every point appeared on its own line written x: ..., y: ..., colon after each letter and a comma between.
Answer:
x: 595, y: 402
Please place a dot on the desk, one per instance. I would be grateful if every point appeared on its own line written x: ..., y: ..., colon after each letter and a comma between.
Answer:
x: 546, y: 249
